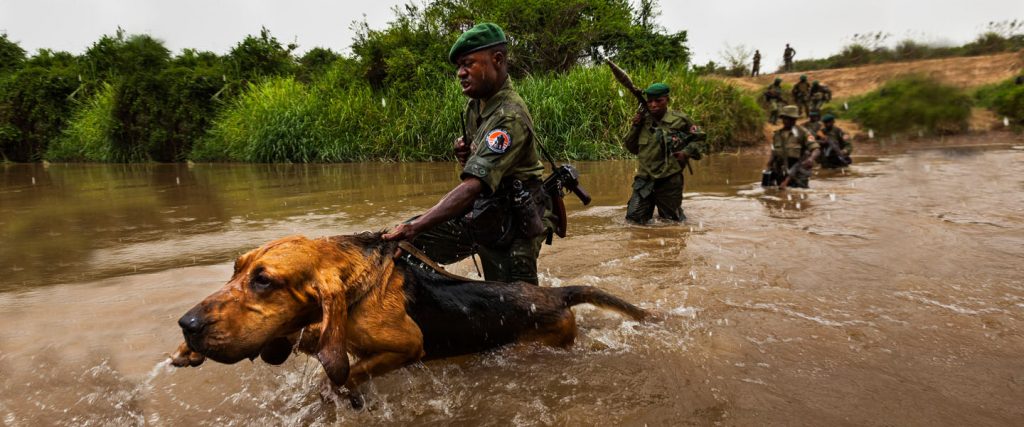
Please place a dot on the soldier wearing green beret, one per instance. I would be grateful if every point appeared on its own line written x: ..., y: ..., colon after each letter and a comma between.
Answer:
x: 802, y: 95
x: 837, y: 147
x: 773, y: 96
x: 663, y: 141
x: 794, y: 151
x: 500, y: 171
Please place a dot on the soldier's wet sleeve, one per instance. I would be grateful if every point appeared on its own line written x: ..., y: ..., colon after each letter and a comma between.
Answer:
x: 844, y: 143
x: 695, y: 149
x: 498, y: 151
x: 632, y: 140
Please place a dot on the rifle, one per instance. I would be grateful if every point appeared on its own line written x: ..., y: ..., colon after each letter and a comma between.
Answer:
x: 564, y: 177
x: 627, y: 82
x: 833, y: 153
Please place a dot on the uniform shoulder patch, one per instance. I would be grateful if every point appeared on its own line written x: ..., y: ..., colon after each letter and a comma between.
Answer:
x: 498, y: 140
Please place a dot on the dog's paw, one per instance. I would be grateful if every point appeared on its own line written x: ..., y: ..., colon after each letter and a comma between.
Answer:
x: 184, y: 357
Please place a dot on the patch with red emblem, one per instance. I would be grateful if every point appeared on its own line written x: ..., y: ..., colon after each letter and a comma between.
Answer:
x: 498, y: 141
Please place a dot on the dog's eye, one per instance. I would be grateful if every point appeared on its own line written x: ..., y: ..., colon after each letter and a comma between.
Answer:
x: 261, y: 282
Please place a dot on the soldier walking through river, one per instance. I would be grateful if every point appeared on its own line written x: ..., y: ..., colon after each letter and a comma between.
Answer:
x: 820, y: 94
x: 787, y: 58
x: 755, y: 69
x: 794, y: 151
x: 499, y: 162
x: 802, y: 95
x: 664, y: 142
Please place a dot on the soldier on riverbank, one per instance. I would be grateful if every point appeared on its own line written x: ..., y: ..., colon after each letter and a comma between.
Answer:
x: 787, y: 58
x: 802, y: 95
x: 794, y: 151
x: 499, y: 161
x: 755, y: 69
x: 664, y: 142
x: 820, y: 94
x: 773, y: 97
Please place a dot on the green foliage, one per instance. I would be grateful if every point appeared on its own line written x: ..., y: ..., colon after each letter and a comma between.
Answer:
x: 1006, y: 99
x: 34, y: 104
x: 579, y: 115
x: 913, y: 103
x: 263, y: 56
x: 11, y: 55
x: 88, y: 137
x: 314, y: 63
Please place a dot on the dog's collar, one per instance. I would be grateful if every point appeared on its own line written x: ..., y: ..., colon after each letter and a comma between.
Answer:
x: 422, y: 257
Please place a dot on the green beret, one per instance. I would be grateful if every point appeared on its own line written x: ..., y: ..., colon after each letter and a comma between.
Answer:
x: 814, y: 113
x: 828, y: 118
x: 656, y: 90
x: 481, y: 36
x: 778, y: 80
x: 815, y: 83
x: 803, y: 77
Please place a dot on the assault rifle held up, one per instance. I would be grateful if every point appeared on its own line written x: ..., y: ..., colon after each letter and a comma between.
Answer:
x: 627, y: 83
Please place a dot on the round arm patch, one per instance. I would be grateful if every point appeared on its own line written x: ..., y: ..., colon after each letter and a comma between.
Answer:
x: 498, y: 141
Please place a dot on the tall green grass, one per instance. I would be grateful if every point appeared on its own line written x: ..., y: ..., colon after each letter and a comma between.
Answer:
x: 913, y: 104
x: 88, y: 135
x: 578, y: 115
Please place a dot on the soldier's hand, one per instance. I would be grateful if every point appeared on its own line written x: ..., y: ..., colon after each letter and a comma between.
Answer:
x: 637, y: 118
x: 462, y: 150
x: 807, y: 164
x: 401, y: 232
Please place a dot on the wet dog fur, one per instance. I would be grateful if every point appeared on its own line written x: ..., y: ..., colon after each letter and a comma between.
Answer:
x: 342, y: 295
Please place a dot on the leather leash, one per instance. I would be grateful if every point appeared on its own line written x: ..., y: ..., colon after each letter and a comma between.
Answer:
x: 422, y: 257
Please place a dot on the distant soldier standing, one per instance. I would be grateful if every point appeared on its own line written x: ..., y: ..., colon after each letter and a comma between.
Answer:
x: 820, y: 94
x: 773, y: 96
x: 663, y: 142
x: 755, y: 70
x: 833, y: 137
x: 792, y: 145
x: 802, y: 94
x: 787, y: 57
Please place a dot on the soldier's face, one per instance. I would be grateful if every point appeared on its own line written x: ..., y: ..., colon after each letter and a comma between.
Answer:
x: 478, y: 73
x: 658, y: 106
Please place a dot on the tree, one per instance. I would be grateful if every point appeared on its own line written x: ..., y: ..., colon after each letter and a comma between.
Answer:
x: 11, y: 55
x: 263, y: 56
x: 735, y: 58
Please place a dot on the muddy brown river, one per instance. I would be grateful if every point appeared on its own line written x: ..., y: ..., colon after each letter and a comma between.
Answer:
x: 891, y: 293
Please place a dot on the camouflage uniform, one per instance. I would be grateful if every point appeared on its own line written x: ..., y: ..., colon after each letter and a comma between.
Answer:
x: 820, y: 94
x: 833, y: 134
x: 801, y: 95
x: 503, y: 146
x: 813, y: 126
x: 659, y: 177
x: 755, y: 69
x: 789, y: 147
x: 787, y: 58
x: 773, y: 96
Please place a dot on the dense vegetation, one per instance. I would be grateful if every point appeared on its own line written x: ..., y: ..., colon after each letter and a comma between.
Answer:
x: 128, y: 99
x: 1006, y: 99
x: 912, y: 104
x: 871, y: 48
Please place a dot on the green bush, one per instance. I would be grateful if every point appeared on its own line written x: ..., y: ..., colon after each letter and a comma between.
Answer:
x: 1006, y: 99
x: 35, y: 103
x: 913, y: 103
x: 579, y: 115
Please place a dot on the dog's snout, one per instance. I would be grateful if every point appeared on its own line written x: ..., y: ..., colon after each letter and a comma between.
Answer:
x: 192, y: 323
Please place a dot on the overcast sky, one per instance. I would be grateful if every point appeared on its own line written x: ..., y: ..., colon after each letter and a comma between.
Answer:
x: 814, y: 28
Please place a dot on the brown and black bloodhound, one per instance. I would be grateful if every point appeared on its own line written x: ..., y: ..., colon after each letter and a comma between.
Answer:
x: 350, y: 295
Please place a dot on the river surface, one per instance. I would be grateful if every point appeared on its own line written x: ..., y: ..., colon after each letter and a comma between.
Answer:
x: 891, y: 293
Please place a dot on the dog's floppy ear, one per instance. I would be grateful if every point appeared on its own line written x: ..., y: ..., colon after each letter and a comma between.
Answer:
x: 331, y: 351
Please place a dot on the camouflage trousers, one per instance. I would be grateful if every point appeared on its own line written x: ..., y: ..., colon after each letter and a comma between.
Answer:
x: 450, y: 242
x: 802, y: 107
x: 773, y: 113
x: 800, y: 180
x: 816, y: 104
x: 666, y: 194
